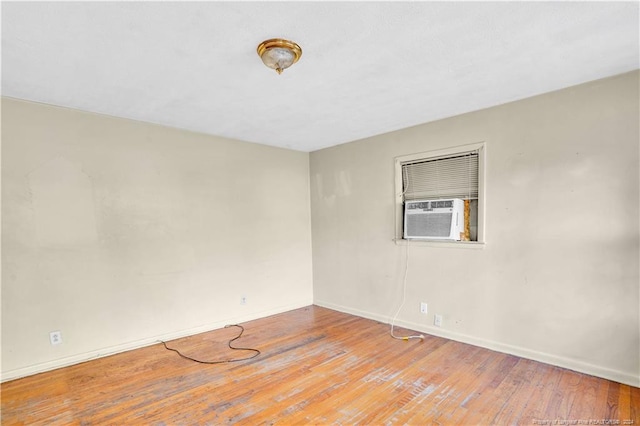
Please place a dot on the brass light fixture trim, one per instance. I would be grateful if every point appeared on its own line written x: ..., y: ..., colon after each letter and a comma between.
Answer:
x: 279, y: 54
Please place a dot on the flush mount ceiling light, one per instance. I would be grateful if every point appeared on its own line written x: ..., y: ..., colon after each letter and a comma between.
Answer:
x: 279, y: 54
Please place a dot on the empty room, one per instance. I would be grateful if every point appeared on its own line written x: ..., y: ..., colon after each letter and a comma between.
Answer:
x: 303, y: 213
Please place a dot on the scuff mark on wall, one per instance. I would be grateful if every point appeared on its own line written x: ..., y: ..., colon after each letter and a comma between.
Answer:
x: 337, y: 185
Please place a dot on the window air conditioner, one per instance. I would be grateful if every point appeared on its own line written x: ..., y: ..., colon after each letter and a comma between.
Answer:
x: 434, y: 219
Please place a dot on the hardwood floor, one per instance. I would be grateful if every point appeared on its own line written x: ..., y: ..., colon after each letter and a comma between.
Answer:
x: 317, y: 366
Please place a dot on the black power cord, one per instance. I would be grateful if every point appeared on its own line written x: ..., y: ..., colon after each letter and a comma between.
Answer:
x: 257, y: 352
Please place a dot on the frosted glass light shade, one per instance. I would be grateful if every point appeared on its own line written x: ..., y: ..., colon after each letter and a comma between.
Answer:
x: 279, y: 54
x: 278, y: 58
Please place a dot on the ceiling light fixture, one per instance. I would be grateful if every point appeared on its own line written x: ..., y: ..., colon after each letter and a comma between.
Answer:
x: 279, y: 54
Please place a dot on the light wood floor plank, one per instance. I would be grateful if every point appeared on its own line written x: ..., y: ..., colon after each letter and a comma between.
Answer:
x: 317, y: 366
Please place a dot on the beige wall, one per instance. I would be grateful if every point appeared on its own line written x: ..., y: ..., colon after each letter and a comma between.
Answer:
x: 558, y: 278
x: 118, y: 233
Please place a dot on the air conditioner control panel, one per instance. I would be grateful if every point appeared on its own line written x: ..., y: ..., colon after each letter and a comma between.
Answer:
x: 430, y: 205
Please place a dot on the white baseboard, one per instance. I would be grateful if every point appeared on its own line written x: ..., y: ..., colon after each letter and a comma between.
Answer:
x: 112, y: 350
x: 559, y: 361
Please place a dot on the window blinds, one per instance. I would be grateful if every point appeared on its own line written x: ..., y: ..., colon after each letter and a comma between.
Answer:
x: 454, y: 176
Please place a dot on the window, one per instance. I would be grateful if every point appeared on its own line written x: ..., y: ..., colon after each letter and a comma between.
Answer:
x: 449, y: 174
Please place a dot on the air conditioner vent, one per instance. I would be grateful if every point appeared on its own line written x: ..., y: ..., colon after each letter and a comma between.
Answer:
x: 434, y: 219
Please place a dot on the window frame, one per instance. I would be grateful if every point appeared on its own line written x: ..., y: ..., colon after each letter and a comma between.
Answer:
x: 480, y: 147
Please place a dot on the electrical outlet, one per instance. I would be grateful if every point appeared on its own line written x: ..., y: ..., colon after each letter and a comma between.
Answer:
x: 243, y: 300
x: 55, y: 337
x: 437, y: 320
x: 423, y: 307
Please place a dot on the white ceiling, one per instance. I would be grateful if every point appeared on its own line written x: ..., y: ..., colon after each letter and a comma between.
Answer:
x: 367, y: 67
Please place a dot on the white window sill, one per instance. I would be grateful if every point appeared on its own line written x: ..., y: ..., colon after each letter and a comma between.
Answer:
x: 476, y: 245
